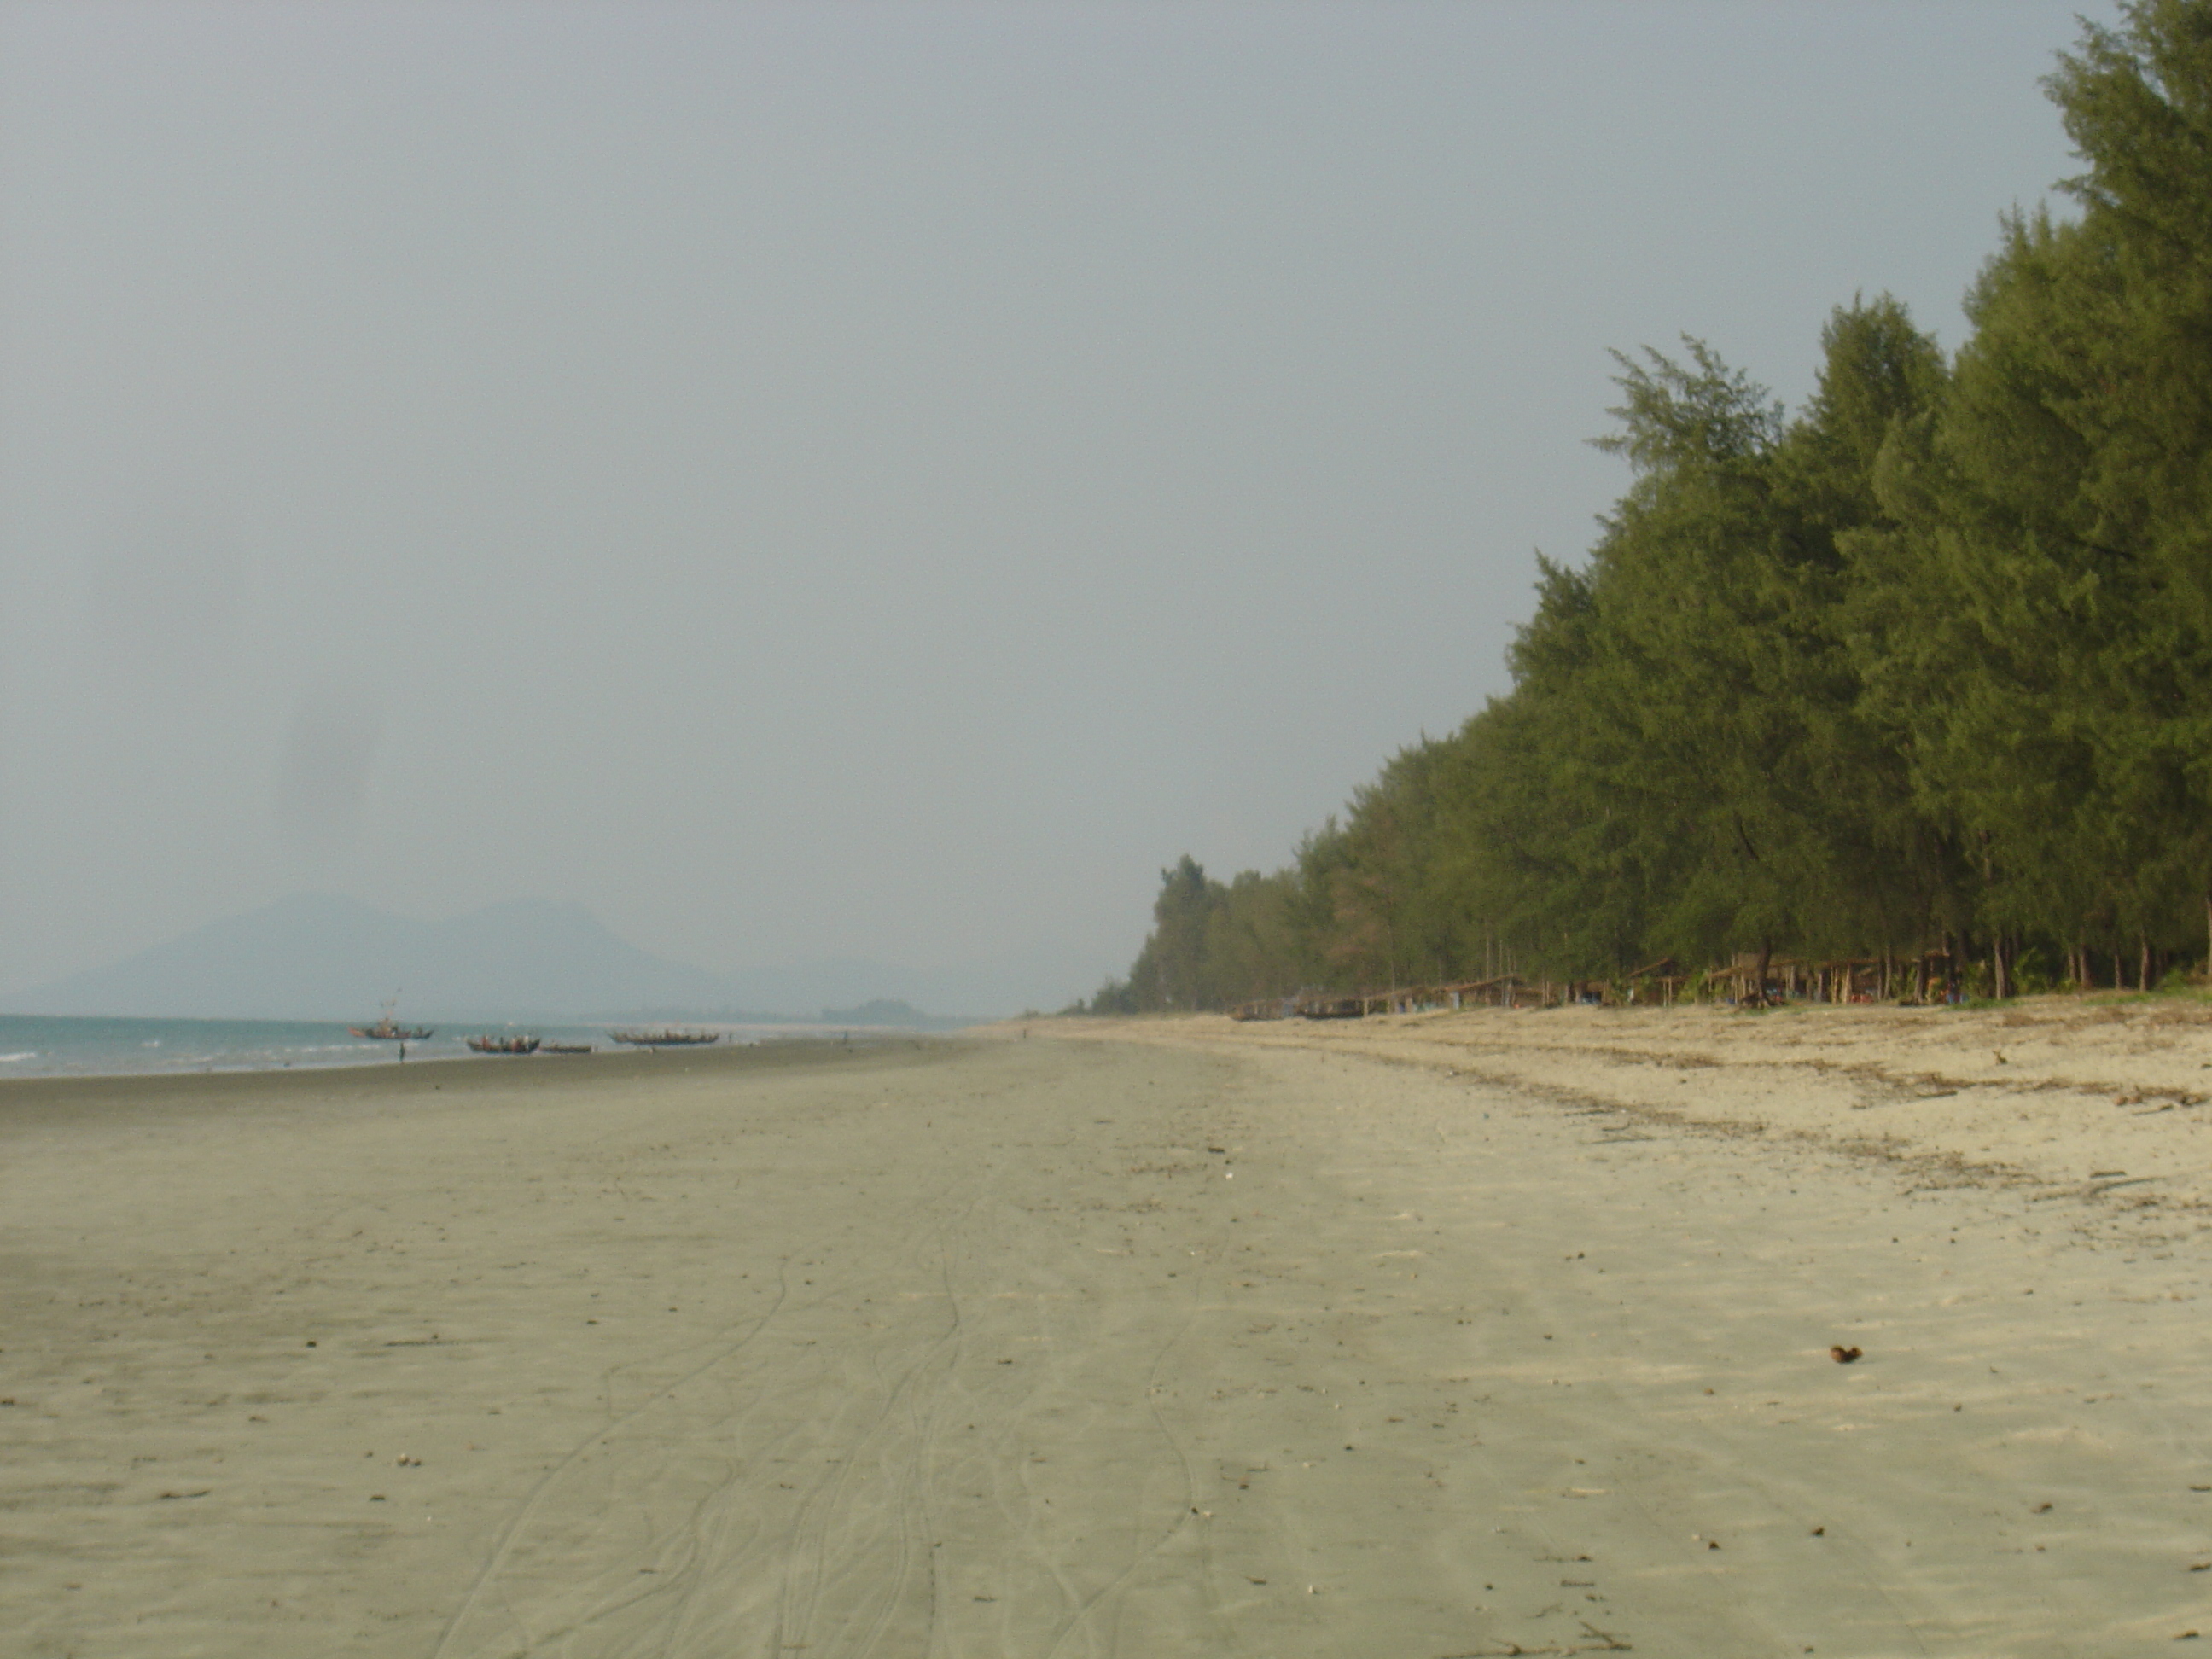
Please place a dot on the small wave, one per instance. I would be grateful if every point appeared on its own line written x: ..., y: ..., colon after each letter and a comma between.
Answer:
x: 28, y: 1054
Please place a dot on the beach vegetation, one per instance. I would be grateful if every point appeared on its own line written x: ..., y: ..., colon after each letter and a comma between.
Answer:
x: 1920, y: 673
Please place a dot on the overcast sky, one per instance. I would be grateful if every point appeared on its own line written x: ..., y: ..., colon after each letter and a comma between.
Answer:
x: 880, y: 481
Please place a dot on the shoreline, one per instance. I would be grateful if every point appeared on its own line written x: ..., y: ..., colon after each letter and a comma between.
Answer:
x: 42, y: 1047
x: 51, y: 1097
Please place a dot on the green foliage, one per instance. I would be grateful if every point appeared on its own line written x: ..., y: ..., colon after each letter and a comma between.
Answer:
x: 1212, y: 946
x: 1928, y: 664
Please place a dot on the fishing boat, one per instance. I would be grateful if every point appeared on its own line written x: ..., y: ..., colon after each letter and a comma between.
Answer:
x: 565, y: 1049
x: 667, y: 1038
x: 504, y: 1045
x: 389, y: 1029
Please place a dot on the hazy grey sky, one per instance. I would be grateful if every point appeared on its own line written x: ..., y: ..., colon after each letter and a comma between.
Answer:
x: 811, y: 480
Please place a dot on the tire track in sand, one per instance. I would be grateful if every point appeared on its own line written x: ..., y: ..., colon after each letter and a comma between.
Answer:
x: 504, y: 1543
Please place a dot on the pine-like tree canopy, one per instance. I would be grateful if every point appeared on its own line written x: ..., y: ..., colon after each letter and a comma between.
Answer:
x: 1925, y: 667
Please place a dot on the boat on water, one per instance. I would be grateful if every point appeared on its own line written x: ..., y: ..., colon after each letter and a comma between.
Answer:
x: 504, y: 1045
x: 389, y: 1029
x: 566, y: 1049
x: 668, y: 1038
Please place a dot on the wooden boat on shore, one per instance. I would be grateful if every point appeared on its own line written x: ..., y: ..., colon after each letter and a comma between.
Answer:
x: 666, y: 1038
x: 504, y: 1045
x: 566, y: 1049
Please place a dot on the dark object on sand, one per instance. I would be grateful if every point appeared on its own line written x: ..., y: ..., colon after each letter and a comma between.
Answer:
x: 504, y: 1045
x: 1842, y: 1355
x: 564, y: 1048
x: 665, y: 1039
x: 1335, y: 1008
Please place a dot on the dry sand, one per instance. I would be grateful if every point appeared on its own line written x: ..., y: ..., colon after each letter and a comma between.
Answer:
x: 1476, y: 1334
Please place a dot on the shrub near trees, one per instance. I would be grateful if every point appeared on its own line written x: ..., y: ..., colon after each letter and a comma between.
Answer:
x: 1928, y: 664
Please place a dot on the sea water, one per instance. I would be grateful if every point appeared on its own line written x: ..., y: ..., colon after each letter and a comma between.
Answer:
x: 37, y: 1045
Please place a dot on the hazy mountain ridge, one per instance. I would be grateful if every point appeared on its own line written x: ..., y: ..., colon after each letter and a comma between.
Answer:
x: 320, y: 956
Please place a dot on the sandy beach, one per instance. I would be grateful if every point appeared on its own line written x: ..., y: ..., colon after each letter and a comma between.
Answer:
x: 1432, y: 1336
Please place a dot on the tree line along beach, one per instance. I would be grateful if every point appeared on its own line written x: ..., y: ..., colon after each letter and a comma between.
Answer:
x: 1922, y: 673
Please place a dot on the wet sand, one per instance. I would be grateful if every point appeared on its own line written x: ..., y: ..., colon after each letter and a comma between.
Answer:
x: 1419, y: 1338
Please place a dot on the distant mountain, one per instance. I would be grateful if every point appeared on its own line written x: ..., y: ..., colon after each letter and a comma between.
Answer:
x: 317, y: 957
x: 314, y: 957
x: 1041, y: 976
